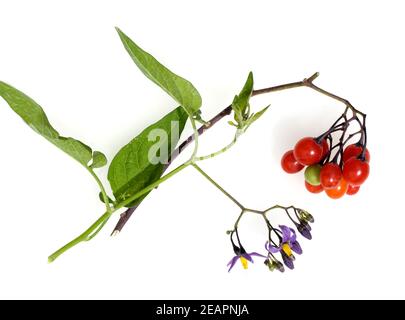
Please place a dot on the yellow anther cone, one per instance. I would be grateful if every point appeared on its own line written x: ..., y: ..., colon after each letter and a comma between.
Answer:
x: 244, y: 262
x: 287, y: 249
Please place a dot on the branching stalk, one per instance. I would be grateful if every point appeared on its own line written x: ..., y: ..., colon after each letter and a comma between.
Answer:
x: 308, y: 82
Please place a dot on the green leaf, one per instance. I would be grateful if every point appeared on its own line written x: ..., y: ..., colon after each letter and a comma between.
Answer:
x: 99, y: 160
x: 255, y: 116
x: 178, y: 88
x: 36, y: 118
x: 240, y: 104
x: 136, y: 165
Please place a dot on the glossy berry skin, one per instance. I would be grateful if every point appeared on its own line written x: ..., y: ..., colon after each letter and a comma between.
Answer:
x: 307, y: 151
x: 289, y: 163
x: 353, y: 151
x: 351, y: 190
x: 325, y: 148
x: 312, y: 174
x: 339, y: 191
x: 355, y: 171
x: 313, y: 189
x: 330, y: 175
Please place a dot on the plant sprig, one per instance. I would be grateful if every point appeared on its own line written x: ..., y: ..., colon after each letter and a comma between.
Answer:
x: 140, y: 165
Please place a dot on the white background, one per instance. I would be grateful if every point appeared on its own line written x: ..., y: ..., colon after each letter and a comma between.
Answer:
x: 67, y: 56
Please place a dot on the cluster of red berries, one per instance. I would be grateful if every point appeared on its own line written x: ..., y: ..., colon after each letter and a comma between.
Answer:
x: 322, y: 173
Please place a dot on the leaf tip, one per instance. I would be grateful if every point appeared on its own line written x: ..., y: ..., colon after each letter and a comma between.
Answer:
x: 120, y: 33
x: 250, y: 78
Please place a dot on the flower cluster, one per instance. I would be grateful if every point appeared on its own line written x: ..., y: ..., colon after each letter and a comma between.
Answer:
x: 281, y: 240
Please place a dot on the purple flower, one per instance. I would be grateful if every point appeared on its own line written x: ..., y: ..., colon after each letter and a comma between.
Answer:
x: 244, y: 258
x: 287, y: 246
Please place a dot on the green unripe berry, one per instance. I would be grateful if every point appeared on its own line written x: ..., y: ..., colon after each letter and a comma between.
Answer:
x: 312, y: 174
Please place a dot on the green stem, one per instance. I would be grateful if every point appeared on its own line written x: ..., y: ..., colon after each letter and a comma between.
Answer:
x: 224, y: 149
x: 152, y: 186
x: 254, y: 211
x: 96, y: 227
x: 195, y: 132
x: 102, y: 189
x: 218, y: 186
x: 95, y: 232
x: 238, y: 220
x: 260, y: 212
x: 277, y: 206
x: 85, y: 236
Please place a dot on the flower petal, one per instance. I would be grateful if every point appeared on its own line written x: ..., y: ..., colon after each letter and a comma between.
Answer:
x: 255, y: 254
x: 286, y: 233
x: 271, y: 248
x: 231, y: 263
x: 295, y: 246
x: 293, y: 235
x: 289, y: 263
x: 248, y: 257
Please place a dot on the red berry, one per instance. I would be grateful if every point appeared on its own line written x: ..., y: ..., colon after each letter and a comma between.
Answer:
x: 325, y: 148
x: 353, y: 151
x: 307, y: 151
x: 289, y: 163
x: 351, y: 190
x: 330, y: 176
x: 355, y: 171
x: 313, y: 189
x: 339, y: 191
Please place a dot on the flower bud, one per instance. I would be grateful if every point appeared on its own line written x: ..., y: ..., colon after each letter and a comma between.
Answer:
x: 305, y: 216
x: 280, y: 266
x: 270, y: 264
x: 305, y: 230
